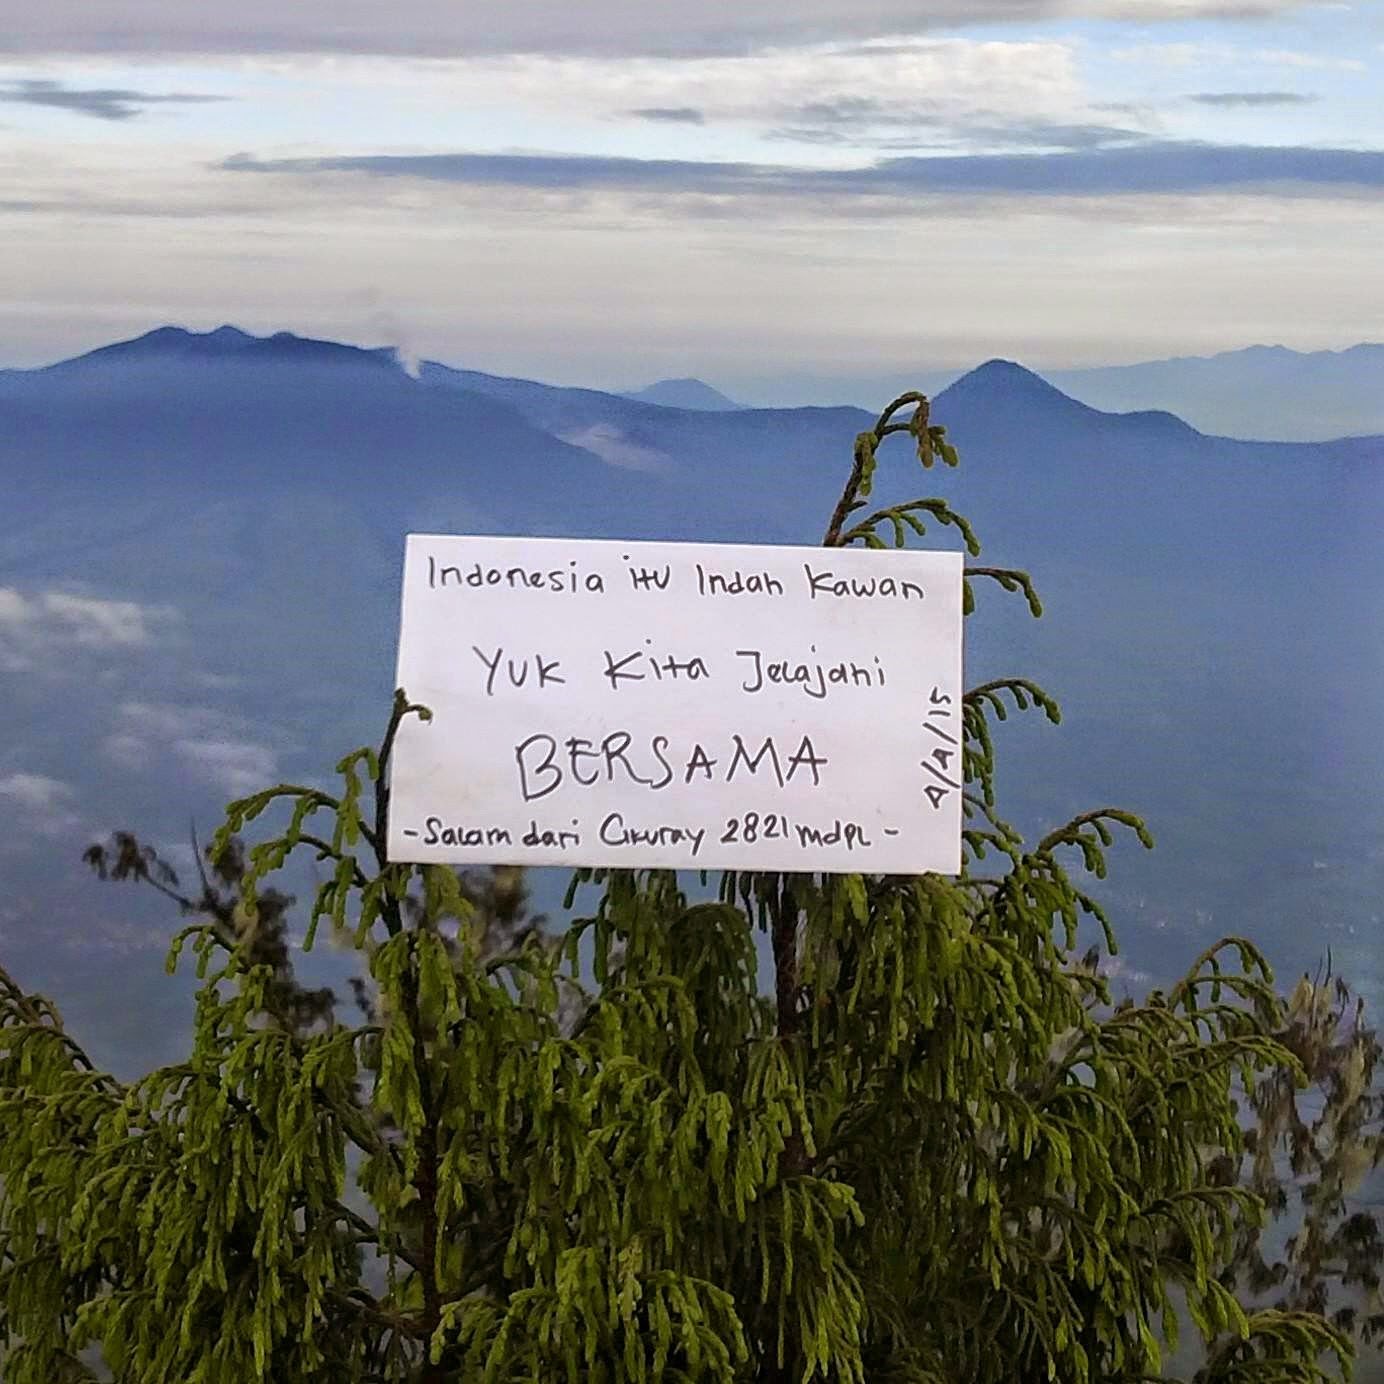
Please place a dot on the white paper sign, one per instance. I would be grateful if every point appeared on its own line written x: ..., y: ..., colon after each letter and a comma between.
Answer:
x: 679, y: 705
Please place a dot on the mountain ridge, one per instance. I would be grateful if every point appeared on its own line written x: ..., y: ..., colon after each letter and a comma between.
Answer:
x: 1261, y: 392
x: 236, y: 506
x: 1250, y: 393
x: 1256, y: 349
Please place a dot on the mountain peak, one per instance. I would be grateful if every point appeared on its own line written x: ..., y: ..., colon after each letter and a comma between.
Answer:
x: 1008, y: 382
x: 1262, y: 351
x: 1011, y: 396
x: 228, y: 343
x: 171, y: 340
x: 685, y: 393
x: 159, y: 336
x: 998, y: 370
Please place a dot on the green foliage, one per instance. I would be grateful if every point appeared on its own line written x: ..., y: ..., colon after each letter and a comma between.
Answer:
x: 937, y: 1153
x: 1306, y: 1156
x: 261, y: 938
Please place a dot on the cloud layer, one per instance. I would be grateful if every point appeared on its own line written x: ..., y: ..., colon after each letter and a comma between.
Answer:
x: 1252, y: 99
x: 1149, y: 167
x: 436, y: 28
x: 100, y: 103
x: 632, y: 188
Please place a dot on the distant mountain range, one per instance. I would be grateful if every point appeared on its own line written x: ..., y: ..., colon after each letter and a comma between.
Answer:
x: 200, y: 546
x: 1259, y: 392
x: 1266, y: 393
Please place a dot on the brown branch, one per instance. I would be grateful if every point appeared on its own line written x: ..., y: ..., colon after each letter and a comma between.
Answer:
x: 883, y: 426
x: 367, y: 1233
x: 793, y: 1160
x: 370, y: 1309
x: 426, y: 1178
x: 847, y: 500
x: 882, y: 429
x: 397, y: 712
x: 788, y: 994
x: 326, y: 851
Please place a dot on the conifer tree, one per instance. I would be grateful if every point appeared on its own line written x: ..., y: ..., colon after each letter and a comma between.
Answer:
x: 261, y: 934
x: 1307, y: 1155
x: 936, y: 1153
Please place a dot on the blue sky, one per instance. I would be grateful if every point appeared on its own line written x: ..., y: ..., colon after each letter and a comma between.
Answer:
x: 749, y: 192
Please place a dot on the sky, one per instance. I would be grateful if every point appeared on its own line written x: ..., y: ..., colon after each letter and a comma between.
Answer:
x: 757, y: 192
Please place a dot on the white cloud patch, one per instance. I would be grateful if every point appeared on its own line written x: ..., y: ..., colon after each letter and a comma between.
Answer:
x: 237, y: 766
x: 218, y: 747
x: 892, y: 82
x: 167, y: 721
x: 97, y: 623
x: 35, y: 790
x: 39, y: 804
x: 38, y: 625
x: 617, y: 448
x: 14, y: 609
x: 127, y: 749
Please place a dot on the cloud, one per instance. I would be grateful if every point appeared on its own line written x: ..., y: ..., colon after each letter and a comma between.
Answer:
x: 218, y: 747
x: 1054, y: 135
x: 901, y: 120
x: 863, y: 122
x: 438, y: 28
x: 1310, y: 62
x: 167, y: 721
x: 1185, y: 55
x: 539, y: 172
x: 856, y: 86
x: 39, y: 803
x: 35, y: 627
x: 808, y: 134
x: 1253, y: 98
x: 236, y: 766
x: 35, y: 790
x: 671, y: 115
x: 101, y: 103
x: 617, y: 448
x: 97, y: 623
x: 14, y: 609
x: 1154, y: 167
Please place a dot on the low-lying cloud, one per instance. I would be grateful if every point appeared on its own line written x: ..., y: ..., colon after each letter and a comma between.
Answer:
x: 866, y: 124
x: 100, y: 103
x: 1155, y: 167
x: 1253, y: 99
x: 671, y: 115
